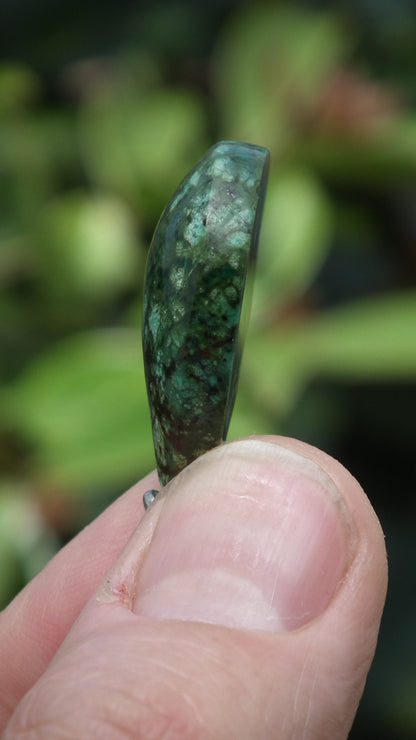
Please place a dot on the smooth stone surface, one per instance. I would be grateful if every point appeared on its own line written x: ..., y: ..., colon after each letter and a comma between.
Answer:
x: 198, y: 265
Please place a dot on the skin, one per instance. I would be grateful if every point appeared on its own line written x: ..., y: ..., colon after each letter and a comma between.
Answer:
x: 82, y: 655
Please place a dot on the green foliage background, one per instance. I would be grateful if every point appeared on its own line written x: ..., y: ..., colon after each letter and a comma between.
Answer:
x: 102, y: 112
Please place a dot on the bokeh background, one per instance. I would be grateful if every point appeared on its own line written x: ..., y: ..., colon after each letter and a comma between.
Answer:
x: 104, y: 106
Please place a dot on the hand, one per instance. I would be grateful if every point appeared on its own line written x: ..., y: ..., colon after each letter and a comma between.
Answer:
x: 245, y: 604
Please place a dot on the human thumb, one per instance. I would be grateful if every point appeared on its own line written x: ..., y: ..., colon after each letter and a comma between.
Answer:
x: 246, y: 605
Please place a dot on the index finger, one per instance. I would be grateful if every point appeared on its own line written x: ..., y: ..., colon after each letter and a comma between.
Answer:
x: 35, y: 623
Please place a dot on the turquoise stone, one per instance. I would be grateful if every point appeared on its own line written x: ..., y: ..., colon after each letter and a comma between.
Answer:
x: 198, y: 268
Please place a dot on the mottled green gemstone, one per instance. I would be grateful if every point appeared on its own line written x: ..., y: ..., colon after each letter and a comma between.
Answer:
x: 198, y: 267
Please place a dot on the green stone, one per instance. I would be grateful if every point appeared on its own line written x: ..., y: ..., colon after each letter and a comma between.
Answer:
x: 198, y: 269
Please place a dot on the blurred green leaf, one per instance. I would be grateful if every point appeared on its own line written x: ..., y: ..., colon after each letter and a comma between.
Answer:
x: 11, y: 573
x: 83, y: 406
x: 19, y: 86
x: 295, y: 238
x: 142, y: 145
x: 37, y: 151
x: 372, y: 339
x: 270, y: 65
x: 248, y: 417
x: 380, y: 157
x: 87, y: 245
x: 25, y: 172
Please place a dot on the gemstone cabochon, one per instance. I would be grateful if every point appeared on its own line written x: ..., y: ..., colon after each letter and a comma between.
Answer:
x: 199, y: 265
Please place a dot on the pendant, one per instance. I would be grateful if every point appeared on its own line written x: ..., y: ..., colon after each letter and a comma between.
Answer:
x: 196, y: 296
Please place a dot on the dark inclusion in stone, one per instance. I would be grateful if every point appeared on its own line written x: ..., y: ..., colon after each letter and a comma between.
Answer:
x: 198, y: 267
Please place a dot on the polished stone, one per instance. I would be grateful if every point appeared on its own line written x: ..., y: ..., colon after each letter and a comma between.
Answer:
x: 197, y: 272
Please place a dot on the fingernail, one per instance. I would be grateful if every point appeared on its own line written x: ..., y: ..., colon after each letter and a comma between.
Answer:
x: 251, y: 536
